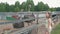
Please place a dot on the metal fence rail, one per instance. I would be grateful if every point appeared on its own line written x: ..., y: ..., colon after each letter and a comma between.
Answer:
x: 17, y: 21
x: 27, y: 30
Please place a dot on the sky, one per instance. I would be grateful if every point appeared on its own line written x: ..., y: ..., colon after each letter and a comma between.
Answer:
x: 51, y: 3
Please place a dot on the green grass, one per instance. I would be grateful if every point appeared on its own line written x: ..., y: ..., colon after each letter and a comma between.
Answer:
x: 56, y: 30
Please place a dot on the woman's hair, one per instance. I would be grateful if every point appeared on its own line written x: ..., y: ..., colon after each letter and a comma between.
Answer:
x: 48, y: 15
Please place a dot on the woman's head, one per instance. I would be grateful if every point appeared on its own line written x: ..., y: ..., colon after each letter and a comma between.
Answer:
x: 48, y: 15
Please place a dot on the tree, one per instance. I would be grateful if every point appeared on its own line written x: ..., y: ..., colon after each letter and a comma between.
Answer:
x: 52, y: 9
x: 17, y: 6
x: 7, y: 7
x: 23, y: 6
x: 40, y: 6
x: 2, y: 7
x: 46, y: 7
x: 11, y: 8
x: 29, y: 5
x: 16, y: 9
x: 57, y: 9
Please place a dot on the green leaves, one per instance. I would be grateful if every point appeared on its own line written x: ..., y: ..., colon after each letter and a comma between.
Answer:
x: 2, y: 7
x: 16, y: 9
x: 26, y: 6
x: 42, y: 7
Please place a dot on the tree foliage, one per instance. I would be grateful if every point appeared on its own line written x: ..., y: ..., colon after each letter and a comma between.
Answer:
x: 54, y: 9
x: 26, y: 6
x: 2, y: 7
x: 58, y: 9
x: 41, y: 7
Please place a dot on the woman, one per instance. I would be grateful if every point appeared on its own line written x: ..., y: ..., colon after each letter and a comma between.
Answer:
x: 49, y: 21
